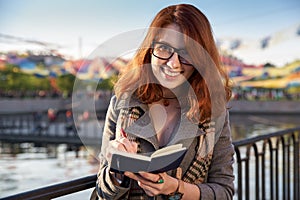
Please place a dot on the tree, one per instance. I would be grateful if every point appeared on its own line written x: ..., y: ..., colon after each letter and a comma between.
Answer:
x: 107, y: 84
x: 65, y: 83
x: 13, y: 79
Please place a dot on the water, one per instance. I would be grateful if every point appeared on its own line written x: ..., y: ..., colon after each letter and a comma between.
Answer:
x: 29, y: 171
x: 33, y: 170
x: 248, y: 125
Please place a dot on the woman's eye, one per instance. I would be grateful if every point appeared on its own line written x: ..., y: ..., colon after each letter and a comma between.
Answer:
x: 183, y: 53
x: 165, y: 48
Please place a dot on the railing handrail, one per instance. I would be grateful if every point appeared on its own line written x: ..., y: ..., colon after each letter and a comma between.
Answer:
x: 69, y: 187
x: 271, y: 166
x: 57, y: 190
x: 254, y: 139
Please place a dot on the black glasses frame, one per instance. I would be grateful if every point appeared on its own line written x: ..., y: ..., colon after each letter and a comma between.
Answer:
x: 173, y: 51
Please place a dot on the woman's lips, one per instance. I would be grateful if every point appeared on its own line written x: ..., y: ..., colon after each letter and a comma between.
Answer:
x: 170, y: 73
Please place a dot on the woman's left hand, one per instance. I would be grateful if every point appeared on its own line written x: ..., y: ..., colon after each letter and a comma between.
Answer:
x: 151, y: 183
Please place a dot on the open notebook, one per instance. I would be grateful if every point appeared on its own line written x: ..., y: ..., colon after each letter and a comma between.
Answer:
x: 162, y: 160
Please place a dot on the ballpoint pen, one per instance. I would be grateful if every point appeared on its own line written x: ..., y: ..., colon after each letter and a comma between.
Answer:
x: 123, y: 133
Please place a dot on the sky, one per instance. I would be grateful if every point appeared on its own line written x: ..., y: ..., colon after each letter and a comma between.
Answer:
x: 70, y: 24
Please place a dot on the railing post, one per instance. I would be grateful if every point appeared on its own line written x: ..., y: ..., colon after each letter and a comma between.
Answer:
x: 288, y: 161
x: 263, y: 170
x: 247, y: 186
x: 240, y: 175
x: 296, y: 166
x: 284, y: 169
x: 257, y: 180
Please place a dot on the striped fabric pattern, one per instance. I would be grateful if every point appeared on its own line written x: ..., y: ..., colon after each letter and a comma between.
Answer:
x: 196, y: 172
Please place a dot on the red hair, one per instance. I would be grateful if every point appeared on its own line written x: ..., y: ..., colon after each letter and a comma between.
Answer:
x: 201, y: 47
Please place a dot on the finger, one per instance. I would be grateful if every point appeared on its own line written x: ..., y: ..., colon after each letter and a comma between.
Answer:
x: 150, y: 191
x: 117, y: 145
x: 150, y: 176
x: 113, y: 144
x: 132, y: 176
x: 141, y: 180
x: 130, y: 147
x: 153, y: 183
x: 150, y: 188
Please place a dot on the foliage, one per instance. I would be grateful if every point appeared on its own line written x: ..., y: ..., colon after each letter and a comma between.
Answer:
x: 11, y: 78
x: 107, y: 84
x: 65, y: 83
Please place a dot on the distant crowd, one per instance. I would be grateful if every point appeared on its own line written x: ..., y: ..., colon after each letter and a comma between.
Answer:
x: 263, y: 95
x: 33, y: 94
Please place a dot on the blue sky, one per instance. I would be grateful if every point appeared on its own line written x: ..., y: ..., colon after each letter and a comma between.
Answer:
x: 63, y: 22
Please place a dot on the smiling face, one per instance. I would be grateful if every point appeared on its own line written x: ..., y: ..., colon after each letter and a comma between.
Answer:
x: 171, y: 73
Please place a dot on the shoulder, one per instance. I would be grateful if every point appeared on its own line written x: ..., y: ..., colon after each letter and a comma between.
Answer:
x: 221, y: 121
x: 127, y: 101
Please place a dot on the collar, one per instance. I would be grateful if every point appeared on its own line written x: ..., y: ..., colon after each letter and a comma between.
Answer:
x: 128, y: 100
x: 143, y: 128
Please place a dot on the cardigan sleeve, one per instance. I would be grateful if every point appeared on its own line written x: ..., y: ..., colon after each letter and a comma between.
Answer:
x: 220, y: 177
x: 104, y: 186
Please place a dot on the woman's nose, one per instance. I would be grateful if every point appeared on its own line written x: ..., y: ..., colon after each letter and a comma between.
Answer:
x: 174, y: 61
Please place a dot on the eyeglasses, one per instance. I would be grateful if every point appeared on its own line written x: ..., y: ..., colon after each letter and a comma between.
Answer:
x: 165, y: 52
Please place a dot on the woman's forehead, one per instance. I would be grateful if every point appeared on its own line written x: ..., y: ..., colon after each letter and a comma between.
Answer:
x: 171, y: 35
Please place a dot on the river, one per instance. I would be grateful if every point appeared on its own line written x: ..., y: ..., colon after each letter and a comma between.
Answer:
x: 249, y: 125
x: 34, y: 169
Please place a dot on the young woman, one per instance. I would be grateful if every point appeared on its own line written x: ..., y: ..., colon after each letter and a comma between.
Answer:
x: 174, y: 90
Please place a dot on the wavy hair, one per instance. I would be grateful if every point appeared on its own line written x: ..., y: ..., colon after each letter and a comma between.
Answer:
x: 202, y: 49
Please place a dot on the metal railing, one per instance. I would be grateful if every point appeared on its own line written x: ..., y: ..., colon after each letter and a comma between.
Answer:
x: 56, y: 190
x: 24, y: 127
x: 267, y: 165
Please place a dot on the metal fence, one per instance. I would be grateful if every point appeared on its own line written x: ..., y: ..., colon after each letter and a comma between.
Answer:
x: 37, y: 128
x: 267, y: 168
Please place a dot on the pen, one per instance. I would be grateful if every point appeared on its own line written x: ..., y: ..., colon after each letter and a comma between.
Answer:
x: 123, y: 133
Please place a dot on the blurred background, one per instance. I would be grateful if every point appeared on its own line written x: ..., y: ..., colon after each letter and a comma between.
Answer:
x: 45, y: 46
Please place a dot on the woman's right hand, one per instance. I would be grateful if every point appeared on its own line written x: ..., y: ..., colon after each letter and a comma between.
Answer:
x: 121, y: 144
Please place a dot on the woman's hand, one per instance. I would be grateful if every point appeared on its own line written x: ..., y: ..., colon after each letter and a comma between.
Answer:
x: 121, y: 143
x: 151, y: 184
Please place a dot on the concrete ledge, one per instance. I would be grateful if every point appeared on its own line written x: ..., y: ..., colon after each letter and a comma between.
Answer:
x: 240, y: 106
x: 265, y: 107
x: 42, y: 105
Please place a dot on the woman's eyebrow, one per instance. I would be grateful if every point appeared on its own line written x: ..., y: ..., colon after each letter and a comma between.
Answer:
x: 164, y: 42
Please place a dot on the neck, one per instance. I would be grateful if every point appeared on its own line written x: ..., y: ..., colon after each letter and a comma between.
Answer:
x: 175, y: 92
